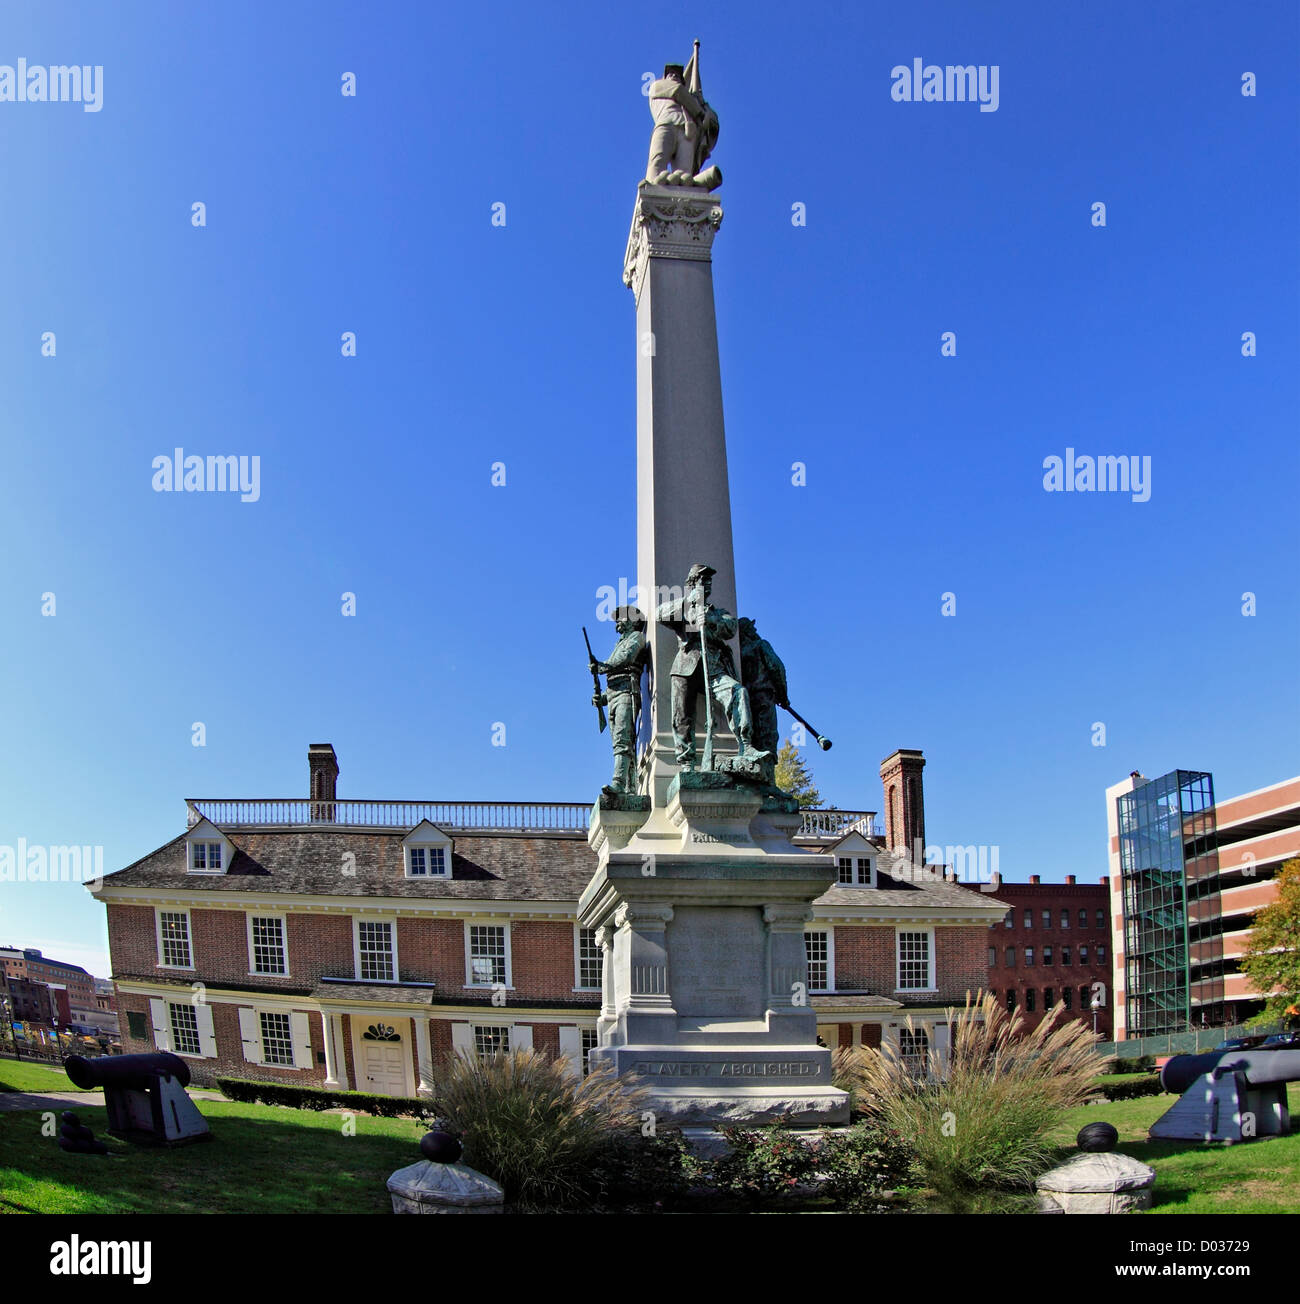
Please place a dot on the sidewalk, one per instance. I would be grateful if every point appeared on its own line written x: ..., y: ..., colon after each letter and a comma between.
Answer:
x: 12, y: 1102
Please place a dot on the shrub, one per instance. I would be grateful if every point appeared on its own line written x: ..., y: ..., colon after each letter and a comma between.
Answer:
x: 632, y: 1169
x: 1143, y: 1064
x: 318, y: 1098
x: 1127, y: 1086
x: 981, y: 1119
x: 761, y: 1165
x: 531, y: 1125
x: 857, y: 1167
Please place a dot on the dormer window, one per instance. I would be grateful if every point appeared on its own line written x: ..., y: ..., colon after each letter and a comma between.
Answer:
x: 426, y: 862
x: 205, y: 857
x: 427, y: 852
x: 855, y: 871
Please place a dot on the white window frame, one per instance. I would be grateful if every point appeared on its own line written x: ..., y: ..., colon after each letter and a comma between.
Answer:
x: 578, y: 985
x: 931, y: 984
x: 158, y: 913
x: 262, y: 1016
x: 830, y: 960
x: 507, y: 1028
x: 250, y: 1036
x: 207, y: 840
x: 357, y: 921
x: 469, y: 966
x: 428, y: 849
x: 253, y: 970
x: 164, y: 1027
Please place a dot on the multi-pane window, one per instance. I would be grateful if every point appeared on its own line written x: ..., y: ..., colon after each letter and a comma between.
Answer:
x: 375, y: 952
x: 268, y: 945
x: 1065, y: 955
x: 1047, y: 919
x: 591, y: 962
x: 277, y: 1039
x: 1011, y: 957
x: 426, y: 861
x: 1047, y: 998
x: 914, y: 1049
x: 1083, y: 919
x: 1029, y: 918
x: 487, y: 954
x: 854, y: 869
x: 1085, y: 996
x: 1067, y: 997
x: 1011, y: 999
x: 205, y: 855
x: 845, y: 864
x: 1047, y: 955
x: 1029, y: 957
x: 589, y: 1042
x: 1101, y: 919
x: 490, y: 1040
x: 993, y: 957
x: 913, y: 961
x: 185, y: 1030
x: 1083, y: 955
x: 174, y: 935
x: 1101, y: 955
x: 1065, y: 919
x: 818, y: 948
x: 1029, y: 1000
x: 1009, y: 922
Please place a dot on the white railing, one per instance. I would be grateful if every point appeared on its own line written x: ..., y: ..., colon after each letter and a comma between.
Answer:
x: 484, y: 816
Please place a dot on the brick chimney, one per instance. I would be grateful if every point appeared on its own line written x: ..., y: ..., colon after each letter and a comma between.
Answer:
x: 1069, y: 880
x: 323, y: 775
x: 1033, y: 880
x: 900, y: 775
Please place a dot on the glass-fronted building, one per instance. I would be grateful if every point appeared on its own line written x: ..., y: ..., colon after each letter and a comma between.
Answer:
x: 1169, y: 866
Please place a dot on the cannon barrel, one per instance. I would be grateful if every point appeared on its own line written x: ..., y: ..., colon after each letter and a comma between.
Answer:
x: 1261, y: 1067
x: 134, y: 1072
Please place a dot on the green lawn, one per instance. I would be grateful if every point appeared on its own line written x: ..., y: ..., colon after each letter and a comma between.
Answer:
x: 1250, y: 1177
x: 22, y: 1075
x: 261, y: 1159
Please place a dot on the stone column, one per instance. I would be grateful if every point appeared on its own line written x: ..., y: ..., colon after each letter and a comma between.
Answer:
x: 789, y: 1003
x: 644, y: 1006
x: 608, y: 1008
x: 423, y: 1059
x: 683, y: 497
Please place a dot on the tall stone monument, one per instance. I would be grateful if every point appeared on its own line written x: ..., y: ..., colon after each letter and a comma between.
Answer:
x: 700, y: 897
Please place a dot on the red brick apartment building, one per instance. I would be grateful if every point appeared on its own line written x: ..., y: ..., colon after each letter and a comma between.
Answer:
x: 1053, y: 947
x: 353, y: 943
x: 29, y: 963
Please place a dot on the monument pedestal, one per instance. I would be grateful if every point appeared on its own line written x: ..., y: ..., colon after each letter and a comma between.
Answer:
x: 705, y: 979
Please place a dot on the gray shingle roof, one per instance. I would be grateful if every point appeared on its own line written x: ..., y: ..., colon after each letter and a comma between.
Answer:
x: 315, y: 861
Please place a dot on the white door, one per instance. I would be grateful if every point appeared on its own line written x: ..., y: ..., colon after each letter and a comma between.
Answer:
x: 383, y: 1068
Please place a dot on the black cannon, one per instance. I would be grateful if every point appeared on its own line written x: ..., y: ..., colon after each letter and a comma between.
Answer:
x: 145, y: 1096
x: 1228, y: 1095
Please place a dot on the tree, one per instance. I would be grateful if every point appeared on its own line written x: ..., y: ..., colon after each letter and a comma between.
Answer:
x: 794, y: 777
x: 1272, y: 959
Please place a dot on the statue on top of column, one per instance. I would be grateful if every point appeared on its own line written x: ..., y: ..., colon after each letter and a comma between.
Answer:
x: 685, y: 131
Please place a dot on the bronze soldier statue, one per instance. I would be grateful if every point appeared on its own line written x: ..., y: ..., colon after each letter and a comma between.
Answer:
x: 623, y: 696
x: 764, y: 675
x: 703, y: 631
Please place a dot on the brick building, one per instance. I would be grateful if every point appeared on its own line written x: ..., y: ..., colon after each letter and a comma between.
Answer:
x: 30, y: 1002
x: 1053, y: 946
x: 29, y: 963
x: 354, y: 943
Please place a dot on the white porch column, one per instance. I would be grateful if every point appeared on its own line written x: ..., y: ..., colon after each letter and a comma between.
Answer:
x: 331, y: 1050
x: 423, y: 1060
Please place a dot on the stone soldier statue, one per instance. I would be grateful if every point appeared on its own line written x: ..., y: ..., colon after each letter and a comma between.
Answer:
x: 685, y: 131
x: 686, y: 617
x: 764, y: 675
x: 623, y: 696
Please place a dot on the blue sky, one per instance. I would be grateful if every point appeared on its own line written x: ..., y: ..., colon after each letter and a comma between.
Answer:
x: 479, y: 343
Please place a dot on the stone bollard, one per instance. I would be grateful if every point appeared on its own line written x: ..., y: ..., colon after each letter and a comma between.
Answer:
x: 438, y: 1184
x: 1096, y: 1183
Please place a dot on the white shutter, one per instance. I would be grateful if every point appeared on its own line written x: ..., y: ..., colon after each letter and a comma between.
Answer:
x: 571, y: 1049
x: 162, y: 1030
x: 521, y: 1036
x: 207, y: 1038
x: 462, y: 1038
x: 301, y: 1040
x: 250, y: 1033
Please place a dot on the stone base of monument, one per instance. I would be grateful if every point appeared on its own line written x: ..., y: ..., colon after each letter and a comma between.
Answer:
x: 428, y: 1187
x: 1096, y: 1183
x: 701, y: 918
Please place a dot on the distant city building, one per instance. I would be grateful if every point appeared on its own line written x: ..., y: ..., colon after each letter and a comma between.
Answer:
x: 1188, y: 875
x: 31, y: 1002
x: 1053, y: 947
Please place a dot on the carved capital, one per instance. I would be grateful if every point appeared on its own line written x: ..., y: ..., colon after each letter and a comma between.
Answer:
x: 669, y: 223
x: 643, y: 916
x: 605, y: 937
x: 787, y: 918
